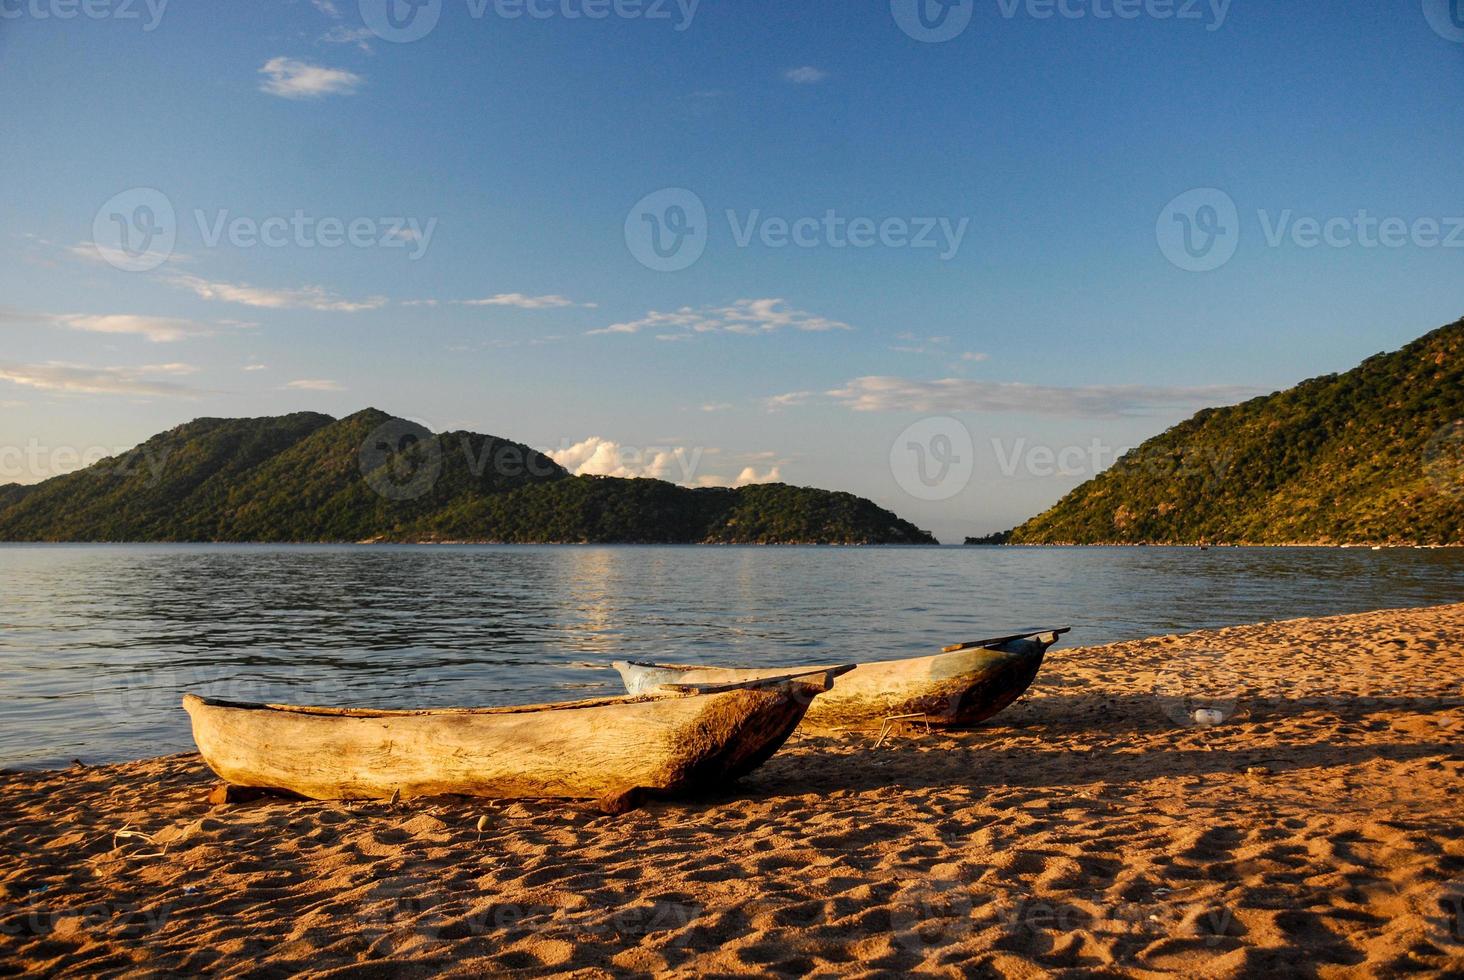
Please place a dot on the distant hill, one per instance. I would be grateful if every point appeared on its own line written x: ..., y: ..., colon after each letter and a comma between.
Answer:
x: 312, y: 478
x: 1373, y: 456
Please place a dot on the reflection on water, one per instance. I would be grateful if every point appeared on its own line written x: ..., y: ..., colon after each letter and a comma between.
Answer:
x: 98, y: 643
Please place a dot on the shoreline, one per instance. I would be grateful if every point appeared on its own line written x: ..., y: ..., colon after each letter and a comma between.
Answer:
x: 1085, y: 828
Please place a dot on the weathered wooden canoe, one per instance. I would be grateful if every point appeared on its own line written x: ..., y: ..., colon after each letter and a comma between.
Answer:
x: 616, y: 750
x: 961, y: 686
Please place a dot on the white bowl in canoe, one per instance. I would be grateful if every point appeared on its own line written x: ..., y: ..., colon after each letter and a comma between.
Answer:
x: 686, y: 739
x: 959, y: 687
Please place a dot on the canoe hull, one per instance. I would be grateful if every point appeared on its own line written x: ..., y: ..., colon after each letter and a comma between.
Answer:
x: 951, y: 690
x: 605, y: 750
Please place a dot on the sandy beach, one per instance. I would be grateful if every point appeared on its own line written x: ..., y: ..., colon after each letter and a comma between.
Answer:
x: 1090, y: 829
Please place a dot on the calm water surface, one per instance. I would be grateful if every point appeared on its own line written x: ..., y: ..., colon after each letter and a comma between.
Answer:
x: 99, y: 643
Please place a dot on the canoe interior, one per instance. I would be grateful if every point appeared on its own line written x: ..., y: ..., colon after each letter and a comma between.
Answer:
x: 956, y: 689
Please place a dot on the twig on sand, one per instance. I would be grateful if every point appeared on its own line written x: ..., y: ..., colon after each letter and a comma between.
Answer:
x: 127, y: 833
x: 892, y: 720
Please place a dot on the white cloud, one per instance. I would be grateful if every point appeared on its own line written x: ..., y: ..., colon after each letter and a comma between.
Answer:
x: 974, y: 357
x: 314, y: 384
x: 255, y: 367
x: 596, y: 456
x: 326, y: 7
x: 717, y: 407
x: 304, y: 298
x: 807, y: 75
x: 887, y: 394
x: 83, y: 379
x: 746, y: 316
x: 291, y: 79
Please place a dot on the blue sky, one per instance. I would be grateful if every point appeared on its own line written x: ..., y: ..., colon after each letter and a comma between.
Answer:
x: 505, y: 175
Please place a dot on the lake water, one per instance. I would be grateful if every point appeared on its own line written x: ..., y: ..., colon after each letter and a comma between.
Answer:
x: 99, y: 643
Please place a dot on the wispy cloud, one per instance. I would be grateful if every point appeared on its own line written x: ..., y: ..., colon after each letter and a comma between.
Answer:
x: 291, y: 79
x: 360, y: 37
x: 746, y: 316
x: 806, y: 75
x: 93, y: 252
x: 938, y: 347
x: 790, y: 400
x: 157, y: 329
x: 889, y: 394
x: 523, y: 302
x: 83, y: 379
x: 314, y: 384
x: 255, y: 367
x: 304, y: 298
x: 326, y: 7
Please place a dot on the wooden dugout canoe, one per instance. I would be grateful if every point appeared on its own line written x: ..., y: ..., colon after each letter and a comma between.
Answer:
x: 961, y: 686
x: 616, y: 750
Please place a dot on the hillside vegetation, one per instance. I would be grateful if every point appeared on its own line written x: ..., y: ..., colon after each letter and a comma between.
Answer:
x: 311, y: 478
x: 1372, y: 456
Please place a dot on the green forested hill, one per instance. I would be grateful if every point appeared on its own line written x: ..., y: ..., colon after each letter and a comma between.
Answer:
x: 1375, y: 455
x: 311, y: 478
